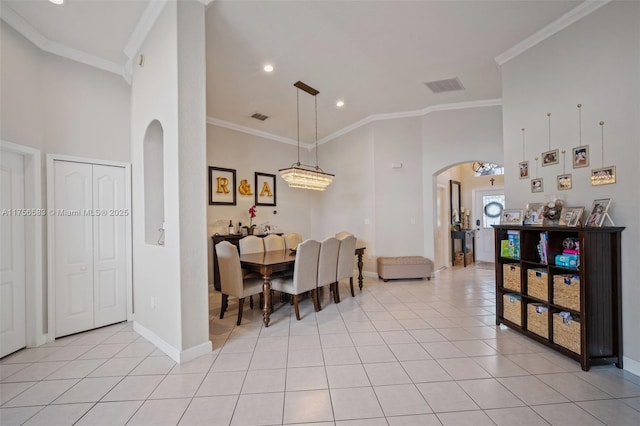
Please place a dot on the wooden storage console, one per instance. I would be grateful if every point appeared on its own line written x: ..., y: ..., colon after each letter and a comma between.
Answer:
x: 592, y: 298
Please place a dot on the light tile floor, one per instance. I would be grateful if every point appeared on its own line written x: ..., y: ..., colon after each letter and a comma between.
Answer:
x: 399, y: 353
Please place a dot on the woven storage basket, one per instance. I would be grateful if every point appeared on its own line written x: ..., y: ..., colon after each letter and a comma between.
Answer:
x: 511, y: 308
x: 566, y: 291
x: 537, y: 284
x: 538, y: 322
x: 566, y: 334
x: 511, y: 277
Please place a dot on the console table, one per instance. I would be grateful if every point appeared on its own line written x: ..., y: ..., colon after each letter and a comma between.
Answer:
x: 465, y: 237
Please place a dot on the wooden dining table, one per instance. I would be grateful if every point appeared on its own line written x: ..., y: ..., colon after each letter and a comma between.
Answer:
x: 270, y: 262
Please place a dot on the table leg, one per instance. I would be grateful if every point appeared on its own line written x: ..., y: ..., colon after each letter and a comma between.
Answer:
x: 266, y: 292
x: 360, y: 264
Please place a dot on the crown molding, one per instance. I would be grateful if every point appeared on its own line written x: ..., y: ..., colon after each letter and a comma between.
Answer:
x: 254, y: 132
x: 34, y: 36
x: 143, y: 27
x: 360, y: 123
x: 407, y: 114
x: 569, y: 18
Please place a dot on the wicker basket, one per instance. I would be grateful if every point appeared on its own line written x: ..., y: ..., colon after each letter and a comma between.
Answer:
x: 566, y: 334
x: 538, y: 284
x: 566, y: 291
x: 511, y: 277
x: 538, y: 319
x: 511, y: 308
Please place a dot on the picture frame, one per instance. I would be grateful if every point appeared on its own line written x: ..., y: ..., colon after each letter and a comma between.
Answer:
x: 265, y: 189
x: 603, y: 176
x: 222, y: 186
x: 599, y: 210
x: 565, y: 182
x: 571, y: 216
x: 537, y: 185
x: 533, y: 214
x: 523, y: 168
x: 550, y: 157
x: 511, y: 217
x: 580, y: 156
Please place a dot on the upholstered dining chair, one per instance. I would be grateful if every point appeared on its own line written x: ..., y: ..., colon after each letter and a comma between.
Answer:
x: 340, y: 235
x: 305, y: 274
x: 291, y: 240
x: 328, y: 266
x: 345, y: 260
x: 231, y: 281
x: 251, y: 244
x: 273, y: 242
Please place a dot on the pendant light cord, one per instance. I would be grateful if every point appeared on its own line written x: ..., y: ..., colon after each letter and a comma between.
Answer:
x: 298, y: 120
x: 315, y: 98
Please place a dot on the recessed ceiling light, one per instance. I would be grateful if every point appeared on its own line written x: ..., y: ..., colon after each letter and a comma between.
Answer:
x: 268, y: 68
x: 340, y: 104
x: 57, y: 1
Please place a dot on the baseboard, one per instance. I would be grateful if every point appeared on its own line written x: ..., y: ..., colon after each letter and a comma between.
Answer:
x: 631, y: 365
x: 173, y: 353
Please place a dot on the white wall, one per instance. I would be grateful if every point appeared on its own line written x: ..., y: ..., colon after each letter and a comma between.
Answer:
x: 594, y: 62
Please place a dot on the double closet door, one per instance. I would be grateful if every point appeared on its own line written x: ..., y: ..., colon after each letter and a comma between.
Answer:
x: 90, y: 266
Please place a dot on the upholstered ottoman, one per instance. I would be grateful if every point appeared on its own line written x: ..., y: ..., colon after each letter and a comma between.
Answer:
x: 390, y: 268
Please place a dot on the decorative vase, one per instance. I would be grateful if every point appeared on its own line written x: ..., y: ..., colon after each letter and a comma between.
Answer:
x: 250, y: 230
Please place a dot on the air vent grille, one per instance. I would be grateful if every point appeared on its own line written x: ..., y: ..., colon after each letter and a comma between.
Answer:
x: 259, y: 116
x: 448, y: 85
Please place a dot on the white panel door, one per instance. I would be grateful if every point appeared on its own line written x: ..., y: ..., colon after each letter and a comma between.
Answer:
x: 489, y: 205
x: 12, y: 254
x: 73, y: 227
x: 109, y: 261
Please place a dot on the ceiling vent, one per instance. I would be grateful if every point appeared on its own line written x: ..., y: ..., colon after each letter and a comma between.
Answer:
x: 448, y: 85
x: 260, y: 117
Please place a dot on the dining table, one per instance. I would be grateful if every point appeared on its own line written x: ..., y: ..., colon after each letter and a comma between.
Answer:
x: 271, y: 262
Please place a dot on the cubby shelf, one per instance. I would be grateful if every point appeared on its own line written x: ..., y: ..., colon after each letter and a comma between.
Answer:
x: 594, y: 335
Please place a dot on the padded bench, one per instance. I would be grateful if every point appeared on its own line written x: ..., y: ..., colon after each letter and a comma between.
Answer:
x: 390, y: 268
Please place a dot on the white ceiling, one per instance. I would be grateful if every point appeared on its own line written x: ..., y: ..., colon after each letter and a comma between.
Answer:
x: 375, y: 55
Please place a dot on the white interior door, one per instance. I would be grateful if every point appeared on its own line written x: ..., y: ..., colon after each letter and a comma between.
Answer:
x: 442, y: 242
x: 109, y: 265
x: 12, y: 254
x: 489, y: 205
x: 73, y: 192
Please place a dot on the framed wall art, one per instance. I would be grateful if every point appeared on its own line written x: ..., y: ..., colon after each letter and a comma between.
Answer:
x: 564, y: 182
x: 536, y: 185
x: 580, y: 156
x: 550, y: 157
x: 523, y: 166
x: 571, y: 216
x: 265, y: 189
x: 603, y: 176
x: 511, y: 217
x: 222, y: 186
x: 599, y: 210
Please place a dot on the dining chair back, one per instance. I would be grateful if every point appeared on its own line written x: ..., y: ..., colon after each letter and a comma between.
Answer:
x: 340, y: 235
x: 328, y: 266
x: 273, y: 242
x: 345, y: 260
x: 231, y: 281
x: 305, y: 273
x: 251, y: 244
x: 291, y: 240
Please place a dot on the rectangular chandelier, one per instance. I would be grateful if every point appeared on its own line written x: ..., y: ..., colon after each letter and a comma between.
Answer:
x: 298, y: 177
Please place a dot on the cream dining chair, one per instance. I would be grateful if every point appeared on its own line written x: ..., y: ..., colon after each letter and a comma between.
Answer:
x: 328, y: 266
x: 340, y: 235
x: 273, y: 242
x: 231, y: 281
x: 291, y: 240
x: 305, y: 274
x: 345, y: 260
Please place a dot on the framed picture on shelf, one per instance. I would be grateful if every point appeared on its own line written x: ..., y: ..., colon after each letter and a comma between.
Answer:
x: 599, y: 210
x: 536, y: 185
x: 265, y: 189
x: 571, y: 216
x: 550, y: 157
x: 523, y: 167
x: 511, y: 217
x: 222, y: 186
x: 603, y: 176
x: 580, y: 156
x: 533, y: 214
x: 564, y: 182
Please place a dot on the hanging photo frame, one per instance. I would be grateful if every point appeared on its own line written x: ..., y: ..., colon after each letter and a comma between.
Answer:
x: 603, y: 176
x: 550, y: 158
x: 580, y: 156
x: 523, y: 167
x: 565, y: 182
x: 537, y: 185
